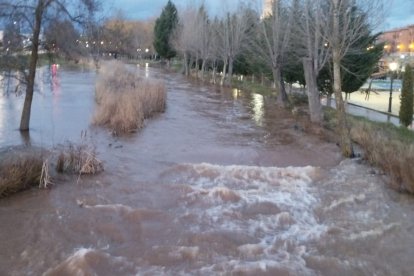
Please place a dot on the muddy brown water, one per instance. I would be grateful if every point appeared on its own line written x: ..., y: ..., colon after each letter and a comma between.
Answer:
x: 221, y: 183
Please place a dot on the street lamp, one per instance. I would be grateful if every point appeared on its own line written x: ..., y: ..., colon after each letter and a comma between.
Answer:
x: 392, y: 66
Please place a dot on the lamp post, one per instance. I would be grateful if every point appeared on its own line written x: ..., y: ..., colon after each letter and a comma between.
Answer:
x: 393, y: 66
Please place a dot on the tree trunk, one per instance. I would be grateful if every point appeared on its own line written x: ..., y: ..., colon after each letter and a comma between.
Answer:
x: 315, y: 107
x: 230, y: 74
x: 343, y: 129
x: 329, y: 100
x: 223, y: 77
x: 197, y: 66
x: 203, y: 68
x: 25, y: 119
x: 282, y: 98
x: 186, y: 64
x: 214, y: 72
x: 190, y: 65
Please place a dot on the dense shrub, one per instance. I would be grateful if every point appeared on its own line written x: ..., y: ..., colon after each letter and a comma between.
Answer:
x: 406, y: 109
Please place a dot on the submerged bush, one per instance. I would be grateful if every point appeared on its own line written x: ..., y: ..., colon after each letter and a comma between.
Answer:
x: 124, y: 100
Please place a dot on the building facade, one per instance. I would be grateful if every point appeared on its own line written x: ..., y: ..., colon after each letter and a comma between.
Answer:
x: 399, y: 41
x: 267, y: 8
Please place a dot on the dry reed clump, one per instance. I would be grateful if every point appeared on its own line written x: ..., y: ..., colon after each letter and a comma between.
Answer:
x: 23, y: 168
x: 78, y: 159
x: 395, y: 157
x: 45, y: 179
x: 19, y: 171
x: 124, y: 100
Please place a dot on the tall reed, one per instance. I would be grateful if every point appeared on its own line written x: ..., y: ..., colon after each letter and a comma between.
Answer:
x: 124, y: 99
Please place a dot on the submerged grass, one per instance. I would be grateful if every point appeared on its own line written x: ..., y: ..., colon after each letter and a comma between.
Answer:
x: 124, y: 100
x: 78, y: 159
x: 385, y: 146
x: 24, y: 168
x: 19, y: 171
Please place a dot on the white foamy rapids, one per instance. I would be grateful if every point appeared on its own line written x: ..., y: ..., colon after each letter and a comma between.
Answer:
x: 356, y: 209
x: 365, y: 228
x: 87, y: 261
x: 272, y: 206
x: 344, y: 200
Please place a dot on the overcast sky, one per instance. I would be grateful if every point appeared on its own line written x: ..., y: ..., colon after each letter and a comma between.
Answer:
x: 399, y: 13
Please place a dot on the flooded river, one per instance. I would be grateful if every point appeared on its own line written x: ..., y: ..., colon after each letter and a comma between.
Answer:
x: 222, y: 183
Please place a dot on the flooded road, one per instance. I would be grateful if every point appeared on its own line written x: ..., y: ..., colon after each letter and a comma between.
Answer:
x: 221, y: 183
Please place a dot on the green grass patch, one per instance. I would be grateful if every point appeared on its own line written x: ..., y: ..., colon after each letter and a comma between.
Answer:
x: 256, y: 87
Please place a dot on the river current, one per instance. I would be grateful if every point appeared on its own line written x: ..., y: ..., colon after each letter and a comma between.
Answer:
x: 222, y: 183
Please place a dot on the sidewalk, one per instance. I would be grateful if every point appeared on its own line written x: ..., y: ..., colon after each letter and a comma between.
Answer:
x: 377, y: 100
x: 368, y: 109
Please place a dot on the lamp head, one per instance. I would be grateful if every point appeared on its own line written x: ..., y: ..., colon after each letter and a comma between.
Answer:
x: 393, y: 66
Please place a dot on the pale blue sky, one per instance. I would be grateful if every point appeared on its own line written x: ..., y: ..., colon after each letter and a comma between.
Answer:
x: 398, y: 13
x: 401, y: 13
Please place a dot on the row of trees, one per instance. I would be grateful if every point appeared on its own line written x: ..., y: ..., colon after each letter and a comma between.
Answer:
x: 119, y: 36
x: 67, y: 28
x: 327, y: 44
x: 63, y: 37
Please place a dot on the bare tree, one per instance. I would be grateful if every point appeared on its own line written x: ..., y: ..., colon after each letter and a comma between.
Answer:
x: 13, y: 40
x: 312, y: 28
x: 184, y: 37
x: 347, y: 21
x: 142, y: 36
x: 118, y: 35
x: 215, y: 47
x: 274, y: 37
x: 232, y: 34
x: 33, y: 14
x: 61, y: 38
x: 204, y: 38
x: 221, y: 32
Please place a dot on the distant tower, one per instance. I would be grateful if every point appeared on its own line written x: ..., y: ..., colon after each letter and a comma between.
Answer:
x: 267, y: 8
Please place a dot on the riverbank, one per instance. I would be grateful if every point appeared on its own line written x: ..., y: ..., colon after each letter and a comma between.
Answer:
x: 384, y: 145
